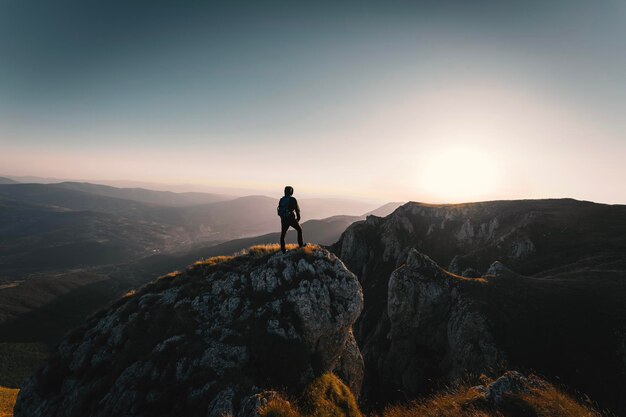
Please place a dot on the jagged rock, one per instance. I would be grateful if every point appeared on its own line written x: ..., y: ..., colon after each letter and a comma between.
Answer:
x: 435, y: 331
x: 497, y: 268
x: 251, y: 404
x: 522, y: 247
x: 466, y: 233
x: 471, y: 273
x: 351, y: 367
x: 560, y: 313
x: 454, y: 265
x: 207, y: 342
x: 512, y: 382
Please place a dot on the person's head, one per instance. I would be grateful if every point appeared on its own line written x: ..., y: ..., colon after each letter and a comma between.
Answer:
x: 288, y: 190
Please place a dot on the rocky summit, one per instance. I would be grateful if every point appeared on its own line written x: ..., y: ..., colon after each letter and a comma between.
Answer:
x: 213, y: 340
x: 465, y: 289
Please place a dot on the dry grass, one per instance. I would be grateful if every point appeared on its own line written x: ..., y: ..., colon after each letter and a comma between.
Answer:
x: 172, y: 274
x: 130, y: 293
x: 467, y: 402
x: 213, y: 261
x: 278, y: 407
x: 256, y: 251
x: 261, y: 250
x: 7, y: 401
x: 308, y: 249
x: 551, y: 402
x: 480, y: 280
x: 326, y: 396
x: 459, y: 403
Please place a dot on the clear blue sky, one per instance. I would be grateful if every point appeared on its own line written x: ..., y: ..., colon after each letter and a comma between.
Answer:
x: 431, y: 100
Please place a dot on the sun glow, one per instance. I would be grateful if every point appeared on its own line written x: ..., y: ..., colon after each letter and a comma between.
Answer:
x: 458, y: 174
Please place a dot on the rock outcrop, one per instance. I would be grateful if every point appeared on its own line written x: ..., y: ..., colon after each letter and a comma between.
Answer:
x: 532, y: 284
x: 510, y: 383
x: 512, y: 394
x: 435, y: 330
x: 211, y: 341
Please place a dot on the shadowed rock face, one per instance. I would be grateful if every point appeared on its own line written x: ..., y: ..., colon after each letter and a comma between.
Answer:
x: 443, y: 327
x: 210, y: 341
x: 560, y: 313
x: 435, y: 330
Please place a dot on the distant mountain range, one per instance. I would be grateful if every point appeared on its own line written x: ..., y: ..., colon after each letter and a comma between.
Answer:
x: 4, y: 180
x: 164, y: 198
x: 67, y: 248
x: 69, y: 225
x: 323, y: 207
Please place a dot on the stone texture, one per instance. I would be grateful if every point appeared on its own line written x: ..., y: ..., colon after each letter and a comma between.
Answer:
x: 212, y: 341
x: 560, y: 275
x: 511, y: 383
x: 351, y: 366
x: 429, y: 314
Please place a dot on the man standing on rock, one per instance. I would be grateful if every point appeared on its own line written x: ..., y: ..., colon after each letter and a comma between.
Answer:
x: 286, y: 207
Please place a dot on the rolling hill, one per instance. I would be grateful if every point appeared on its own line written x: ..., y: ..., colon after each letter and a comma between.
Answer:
x: 44, y: 307
x: 54, y: 257
x: 68, y: 225
x: 163, y: 198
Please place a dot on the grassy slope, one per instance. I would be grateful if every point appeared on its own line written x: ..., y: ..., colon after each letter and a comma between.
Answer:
x: 19, y: 360
x: 327, y: 396
x: 467, y: 402
x: 7, y: 400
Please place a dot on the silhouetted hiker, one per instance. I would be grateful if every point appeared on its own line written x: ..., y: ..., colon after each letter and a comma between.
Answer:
x: 286, y: 207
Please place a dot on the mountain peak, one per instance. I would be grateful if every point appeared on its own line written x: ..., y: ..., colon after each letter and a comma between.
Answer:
x: 207, y: 341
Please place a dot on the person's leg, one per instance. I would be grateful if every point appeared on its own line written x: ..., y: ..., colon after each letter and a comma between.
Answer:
x: 296, y: 225
x: 284, y: 225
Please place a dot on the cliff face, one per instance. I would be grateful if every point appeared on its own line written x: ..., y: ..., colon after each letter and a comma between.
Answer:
x: 207, y: 342
x: 435, y: 329
x: 530, y: 236
x: 442, y: 299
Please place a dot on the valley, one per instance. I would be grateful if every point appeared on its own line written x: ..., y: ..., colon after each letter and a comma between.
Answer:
x: 68, y: 249
x: 450, y: 290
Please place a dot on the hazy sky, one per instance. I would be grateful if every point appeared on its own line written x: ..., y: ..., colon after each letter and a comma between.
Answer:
x: 438, y: 101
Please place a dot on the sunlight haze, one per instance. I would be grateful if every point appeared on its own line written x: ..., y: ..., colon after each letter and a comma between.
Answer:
x: 395, y: 101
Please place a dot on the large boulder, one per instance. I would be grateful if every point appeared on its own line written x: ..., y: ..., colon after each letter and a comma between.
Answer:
x: 435, y: 329
x: 211, y: 341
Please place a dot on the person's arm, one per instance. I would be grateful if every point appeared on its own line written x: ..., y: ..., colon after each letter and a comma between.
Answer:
x: 296, y: 208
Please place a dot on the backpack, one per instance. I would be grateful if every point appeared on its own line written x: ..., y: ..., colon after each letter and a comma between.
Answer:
x: 283, y: 206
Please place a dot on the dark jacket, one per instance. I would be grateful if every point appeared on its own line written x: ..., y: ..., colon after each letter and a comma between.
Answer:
x: 292, y: 205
